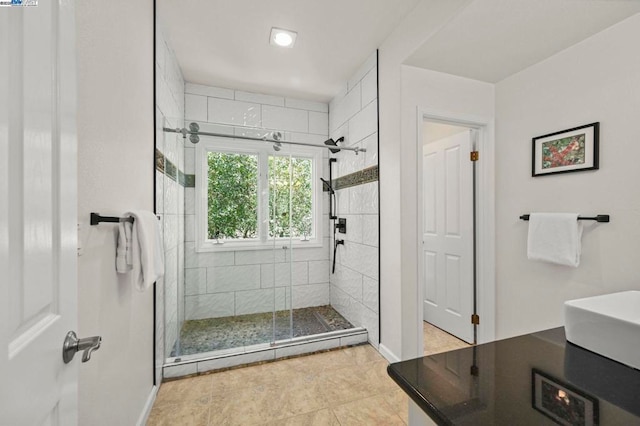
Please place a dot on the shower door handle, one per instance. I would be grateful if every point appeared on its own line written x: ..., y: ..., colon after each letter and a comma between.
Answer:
x: 72, y: 345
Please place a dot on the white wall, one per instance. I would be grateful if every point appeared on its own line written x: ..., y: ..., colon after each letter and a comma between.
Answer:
x: 354, y: 286
x: 397, y: 290
x: 596, y: 80
x: 452, y: 96
x: 227, y: 283
x: 115, y: 175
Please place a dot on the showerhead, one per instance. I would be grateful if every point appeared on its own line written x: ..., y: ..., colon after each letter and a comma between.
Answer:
x: 327, y: 185
x: 331, y: 142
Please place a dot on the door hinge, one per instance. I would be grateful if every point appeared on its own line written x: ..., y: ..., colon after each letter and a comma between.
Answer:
x: 474, y: 155
x: 475, y: 371
x: 475, y: 319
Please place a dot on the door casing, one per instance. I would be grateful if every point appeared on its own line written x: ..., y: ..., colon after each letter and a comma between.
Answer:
x: 485, y: 219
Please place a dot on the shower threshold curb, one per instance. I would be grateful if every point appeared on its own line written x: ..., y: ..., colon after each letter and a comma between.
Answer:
x: 217, y: 360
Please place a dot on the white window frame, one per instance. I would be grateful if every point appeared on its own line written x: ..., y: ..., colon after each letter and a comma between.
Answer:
x: 263, y: 150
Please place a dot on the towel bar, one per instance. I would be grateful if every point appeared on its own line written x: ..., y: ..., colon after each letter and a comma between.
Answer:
x: 603, y: 218
x: 96, y: 219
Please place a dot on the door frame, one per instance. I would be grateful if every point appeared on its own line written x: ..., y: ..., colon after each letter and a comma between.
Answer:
x: 484, y: 221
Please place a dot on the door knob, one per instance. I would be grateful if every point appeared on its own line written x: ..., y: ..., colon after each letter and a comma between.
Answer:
x: 72, y: 345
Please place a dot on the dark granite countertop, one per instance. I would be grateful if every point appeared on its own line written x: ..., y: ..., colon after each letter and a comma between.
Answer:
x: 535, y: 379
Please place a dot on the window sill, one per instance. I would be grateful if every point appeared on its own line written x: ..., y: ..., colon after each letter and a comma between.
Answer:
x: 208, y: 247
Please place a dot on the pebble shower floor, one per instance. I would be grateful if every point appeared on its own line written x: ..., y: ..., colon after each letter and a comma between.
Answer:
x: 214, y: 334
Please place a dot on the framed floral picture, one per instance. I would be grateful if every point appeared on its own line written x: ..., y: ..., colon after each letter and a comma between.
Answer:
x: 570, y: 150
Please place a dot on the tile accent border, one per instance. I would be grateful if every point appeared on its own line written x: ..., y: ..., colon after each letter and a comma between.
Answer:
x: 370, y: 174
x: 167, y: 168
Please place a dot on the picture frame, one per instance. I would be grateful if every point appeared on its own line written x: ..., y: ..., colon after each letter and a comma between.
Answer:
x: 571, y: 150
x: 561, y: 402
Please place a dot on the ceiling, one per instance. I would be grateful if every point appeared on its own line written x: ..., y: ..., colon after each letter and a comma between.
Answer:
x: 493, y: 39
x: 225, y: 43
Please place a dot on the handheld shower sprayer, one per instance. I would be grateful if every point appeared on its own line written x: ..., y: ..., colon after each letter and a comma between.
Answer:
x: 328, y: 186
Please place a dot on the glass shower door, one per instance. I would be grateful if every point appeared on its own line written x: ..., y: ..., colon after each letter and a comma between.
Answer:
x: 280, y: 196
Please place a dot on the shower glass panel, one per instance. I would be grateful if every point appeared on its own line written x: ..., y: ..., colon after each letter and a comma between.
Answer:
x: 279, y: 189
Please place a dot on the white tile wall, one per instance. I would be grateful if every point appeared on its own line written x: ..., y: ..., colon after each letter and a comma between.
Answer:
x: 282, y: 274
x: 230, y: 361
x: 171, y: 371
x: 354, y: 228
x: 203, y: 306
x: 363, y: 199
x: 370, y: 293
x: 189, y: 228
x: 195, y: 107
x: 364, y: 123
x: 371, y: 230
x: 306, y: 348
x: 294, y: 120
x: 307, y: 105
x: 319, y: 271
x: 224, y: 111
x: 233, y: 278
x: 214, y: 92
x: 369, y: 64
x: 265, y: 300
x: 318, y: 122
x: 252, y: 257
x: 195, y: 260
x: 258, y: 98
x: 343, y: 109
x: 348, y: 280
x: 195, y: 281
x: 354, y: 286
x: 370, y: 143
x: 353, y: 340
x: 370, y: 86
x: 305, y: 296
x: 370, y: 322
x: 361, y: 258
x: 247, y: 274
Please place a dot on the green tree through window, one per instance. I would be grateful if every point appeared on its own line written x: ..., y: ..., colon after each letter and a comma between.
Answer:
x: 234, y: 200
x: 290, y: 207
x: 232, y: 195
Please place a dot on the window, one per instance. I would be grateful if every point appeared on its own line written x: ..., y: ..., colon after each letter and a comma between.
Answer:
x: 248, y: 196
x: 232, y: 195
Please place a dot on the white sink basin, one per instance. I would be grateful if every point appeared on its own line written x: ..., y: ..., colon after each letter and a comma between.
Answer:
x: 608, y: 325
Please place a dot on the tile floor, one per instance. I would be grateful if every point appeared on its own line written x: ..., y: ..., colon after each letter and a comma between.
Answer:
x: 342, y: 387
x: 437, y: 340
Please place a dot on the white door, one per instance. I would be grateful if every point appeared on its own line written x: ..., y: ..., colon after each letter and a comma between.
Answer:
x: 448, y: 235
x: 38, y: 302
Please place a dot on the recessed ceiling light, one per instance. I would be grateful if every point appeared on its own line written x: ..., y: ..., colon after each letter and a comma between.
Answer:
x: 283, y: 38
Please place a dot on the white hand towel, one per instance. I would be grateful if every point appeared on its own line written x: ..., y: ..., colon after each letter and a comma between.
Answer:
x: 124, y: 260
x: 555, y: 238
x: 146, y: 249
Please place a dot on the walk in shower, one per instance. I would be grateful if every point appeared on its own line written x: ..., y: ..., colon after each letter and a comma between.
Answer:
x: 256, y: 258
x: 270, y: 219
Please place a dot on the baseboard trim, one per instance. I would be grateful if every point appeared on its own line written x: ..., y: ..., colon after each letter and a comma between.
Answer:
x: 144, y: 416
x: 385, y: 352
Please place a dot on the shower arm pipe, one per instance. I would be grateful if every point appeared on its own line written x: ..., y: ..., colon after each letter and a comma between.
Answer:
x: 184, y: 132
